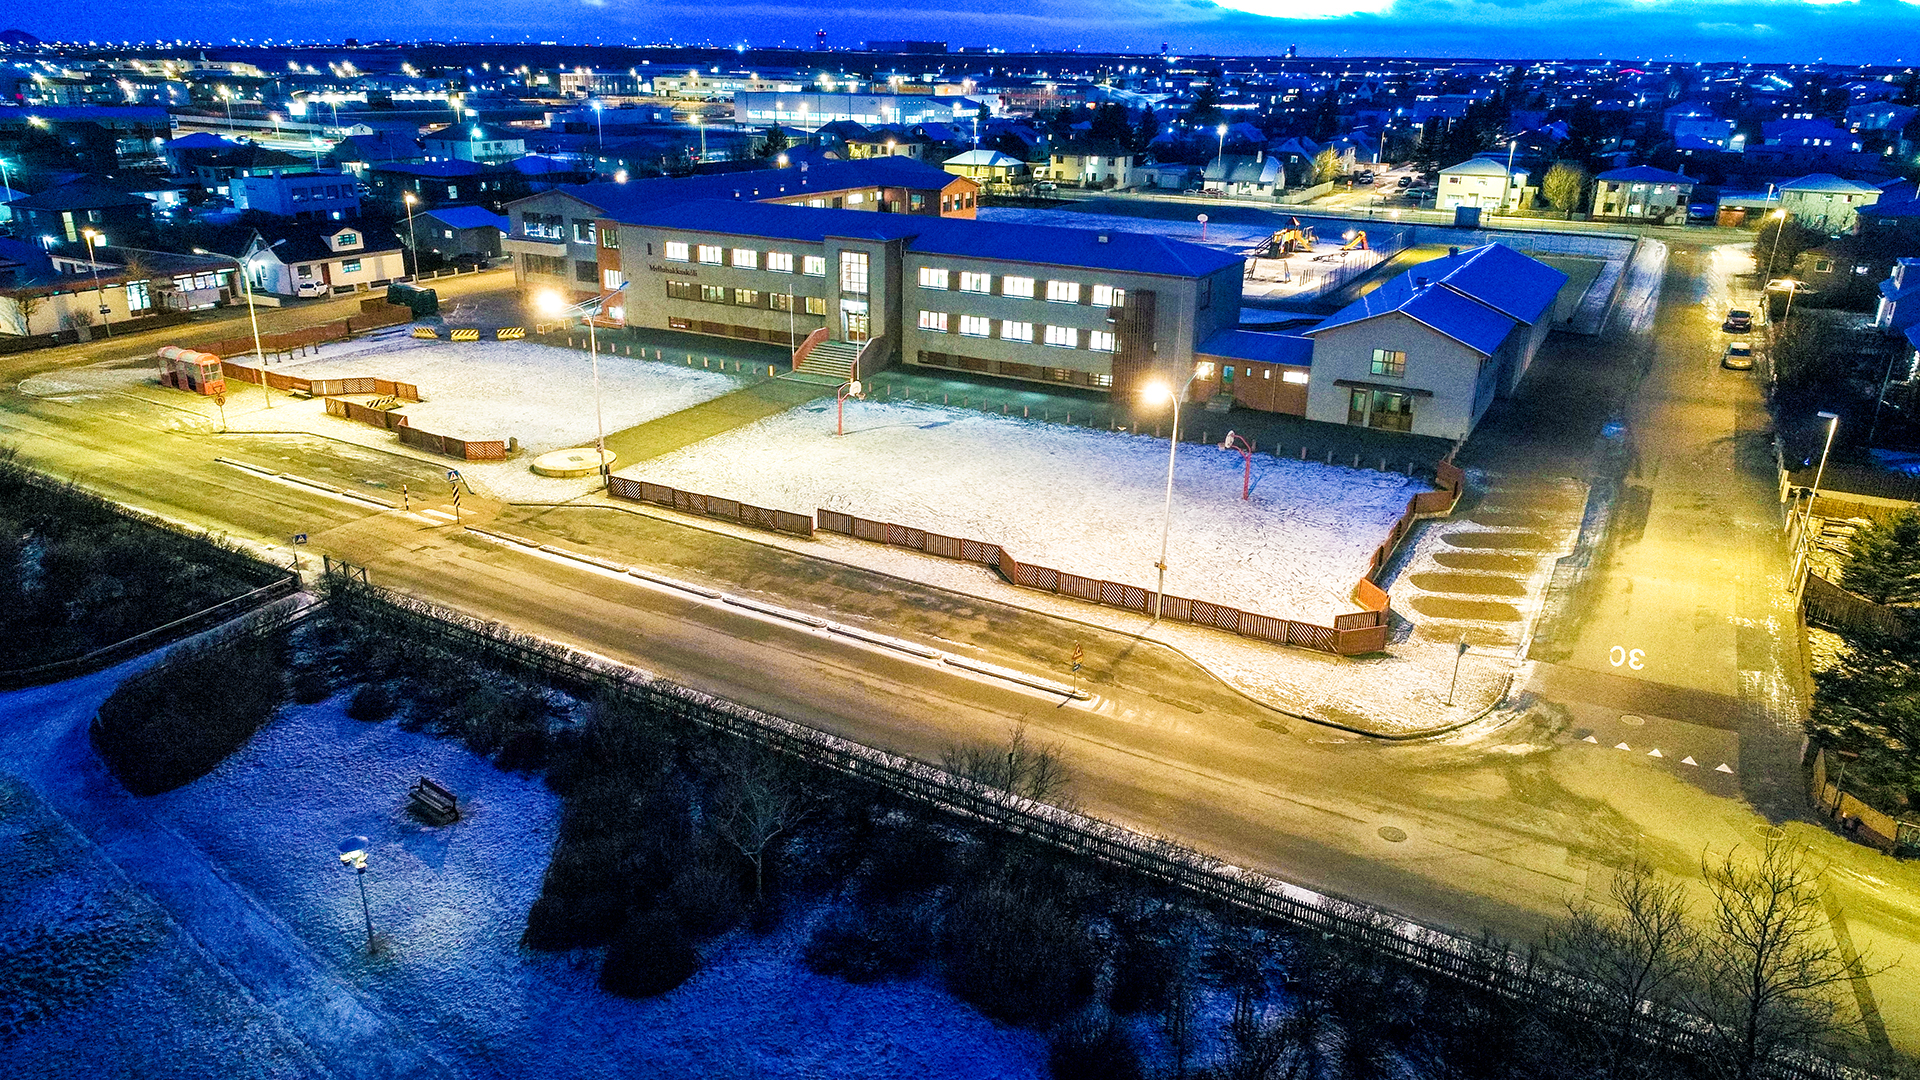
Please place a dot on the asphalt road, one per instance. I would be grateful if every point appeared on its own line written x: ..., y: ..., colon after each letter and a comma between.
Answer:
x: 1504, y: 824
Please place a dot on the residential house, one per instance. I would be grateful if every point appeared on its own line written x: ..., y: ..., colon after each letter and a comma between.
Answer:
x: 1258, y: 176
x: 1485, y: 182
x: 989, y: 168
x: 1896, y: 212
x: 1796, y: 144
x: 486, y: 143
x: 1642, y: 193
x: 302, y: 196
x: 67, y: 212
x: 1826, y: 202
x: 1898, y: 314
x: 358, y: 153
x: 1428, y: 351
x: 1088, y: 164
x: 460, y: 231
x: 440, y: 183
x: 1171, y: 176
x: 309, y: 259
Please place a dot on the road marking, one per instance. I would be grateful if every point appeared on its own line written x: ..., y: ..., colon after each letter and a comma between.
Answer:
x: 1722, y: 767
x: 313, y: 486
x: 1688, y: 760
x: 1655, y: 752
x: 1592, y: 740
x: 1622, y: 746
x: 441, y: 514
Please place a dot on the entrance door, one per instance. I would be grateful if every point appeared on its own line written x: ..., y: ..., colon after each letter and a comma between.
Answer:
x: 854, y: 321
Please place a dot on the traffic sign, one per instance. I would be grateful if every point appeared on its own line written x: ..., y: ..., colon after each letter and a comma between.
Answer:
x: 1078, y: 655
x: 453, y: 476
x: 299, y: 538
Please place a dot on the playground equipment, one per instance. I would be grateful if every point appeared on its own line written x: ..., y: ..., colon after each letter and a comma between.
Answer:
x: 1295, y: 237
x: 1358, y: 243
x: 191, y: 370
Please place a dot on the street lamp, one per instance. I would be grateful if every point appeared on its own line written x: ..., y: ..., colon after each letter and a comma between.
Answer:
x: 413, y: 243
x: 1506, y: 192
x: 845, y: 391
x: 1779, y: 226
x: 552, y: 303
x: 353, y: 854
x: 1156, y: 392
x: 1221, y: 154
x: 1239, y: 442
x: 246, y: 286
x: 600, y: 131
x: 99, y: 297
x: 1806, y: 516
x: 1791, y: 287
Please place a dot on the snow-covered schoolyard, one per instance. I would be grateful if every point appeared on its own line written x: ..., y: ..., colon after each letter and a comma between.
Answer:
x: 1082, y: 501
x: 539, y: 394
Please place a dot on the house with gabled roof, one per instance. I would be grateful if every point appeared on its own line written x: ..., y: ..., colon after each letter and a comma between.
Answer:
x: 1430, y: 350
x: 1827, y: 202
x: 316, y: 258
x: 1642, y: 193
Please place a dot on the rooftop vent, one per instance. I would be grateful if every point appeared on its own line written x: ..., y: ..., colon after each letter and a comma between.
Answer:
x: 1103, y: 238
x: 1420, y: 282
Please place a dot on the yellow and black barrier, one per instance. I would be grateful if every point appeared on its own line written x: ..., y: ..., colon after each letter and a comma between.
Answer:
x: 467, y: 333
x: 426, y: 333
x: 510, y: 333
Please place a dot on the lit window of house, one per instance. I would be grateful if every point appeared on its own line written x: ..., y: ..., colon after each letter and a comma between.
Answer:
x: 710, y: 254
x: 934, y: 320
x: 1390, y: 363
x: 814, y: 266
x: 1017, y: 286
x: 1011, y: 330
x: 746, y: 258
x: 780, y: 262
x: 676, y: 251
x: 1063, y: 337
x: 976, y: 326
x: 1108, y: 296
x: 933, y: 278
x: 1100, y: 341
x: 980, y: 283
x: 1063, y: 292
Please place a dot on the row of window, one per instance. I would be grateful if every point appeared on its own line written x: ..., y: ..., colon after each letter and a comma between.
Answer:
x: 1060, y: 337
x: 1058, y: 292
x: 780, y: 262
x: 753, y: 298
x: 1011, y: 370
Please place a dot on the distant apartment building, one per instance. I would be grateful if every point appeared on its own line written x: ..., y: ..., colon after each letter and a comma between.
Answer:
x: 809, y: 110
x: 302, y: 196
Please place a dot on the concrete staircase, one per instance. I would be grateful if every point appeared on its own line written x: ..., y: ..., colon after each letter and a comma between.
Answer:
x: 833, y: 359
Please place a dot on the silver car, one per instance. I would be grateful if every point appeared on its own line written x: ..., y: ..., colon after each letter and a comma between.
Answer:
x: 1738, y: 357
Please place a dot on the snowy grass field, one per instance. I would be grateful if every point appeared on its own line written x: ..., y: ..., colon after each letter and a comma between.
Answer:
x: 539, y: 394
x: 1085, y: 502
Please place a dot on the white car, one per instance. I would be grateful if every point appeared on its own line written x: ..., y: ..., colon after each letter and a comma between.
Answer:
x: 1738, y: 357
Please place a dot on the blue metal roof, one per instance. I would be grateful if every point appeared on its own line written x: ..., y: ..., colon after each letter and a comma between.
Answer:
x: 1499, y: 277
x: 1265, y: 348
x: 1460, y: 317
x: 1108, y: 249
x: 469, y: 217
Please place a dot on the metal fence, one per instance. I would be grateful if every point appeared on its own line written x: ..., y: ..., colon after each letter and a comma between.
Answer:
x: 692, y: 502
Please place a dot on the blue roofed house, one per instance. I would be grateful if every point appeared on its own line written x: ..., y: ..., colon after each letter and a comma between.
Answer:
x: 1642, y: 193
x: 455, y: 231
x: 1428, y: 351
x: 1827, y: 202
x: 1899, y: 312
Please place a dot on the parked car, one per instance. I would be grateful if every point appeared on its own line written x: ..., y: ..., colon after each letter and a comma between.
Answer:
x: 1738, y: 357
x: 1404, y: 182
x: 1363, y: 177
x: 1046, y: 185
x: 1739, y: 321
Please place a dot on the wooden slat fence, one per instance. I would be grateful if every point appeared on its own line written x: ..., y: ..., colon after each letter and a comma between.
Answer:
x: 464, y: 449
x: 1351, y: 635
x: 1450, y: 483
x: 389, y: 419
x: 692, y: 502
x: 1832, y: 606
x: 321, y: 387
x: 1875, y: 829
x: 301, y: 340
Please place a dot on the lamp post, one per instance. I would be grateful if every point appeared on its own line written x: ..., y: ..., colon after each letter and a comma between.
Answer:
x: 1220, y: 155
x: 845, y: 391
x: 413, y: 243
x: 1792, y: 287
x: 1506, y: 193
x: 353, y: 854
x: 1806, y: 516
x: 600, y: 131
x: 1237, y: 442
x: 1154, y: 392
x: 554, y: 304
x: 700, y: 126
x: 1779, y: 226
x: 246, y: 286
x: 99, y: 297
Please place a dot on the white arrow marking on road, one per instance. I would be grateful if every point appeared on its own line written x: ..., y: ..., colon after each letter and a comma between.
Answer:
x: 1592, y: 740
x: 1622, y: 746
x: 1688, y: 760
x: 1722, y: 767
x: 1655, y: 752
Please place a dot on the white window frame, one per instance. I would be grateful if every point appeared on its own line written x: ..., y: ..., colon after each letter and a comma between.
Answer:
x: 976, y: 326
x: 612, y: 279
x: 1015, y: 330
x: 1063, y: 337
x: 780, y: 262
x: 1101, y: 341
x: 744, y: 258
x: 814, y: 266
x: 975, y: 283
x: 933, y: 277
x: 1063, y: 292
x: 1017, y: 286
x: 935, y: 321
x: 710, y: 254
x: 677, y: 251
x: 1108, y: 296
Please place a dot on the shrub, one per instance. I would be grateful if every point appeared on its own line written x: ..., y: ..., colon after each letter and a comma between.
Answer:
x: 373, y: 703
x: 651, y: 955
x: 1012, y: 954
x: 311, y: 686
x: 862, y: 944
x: 1141, y: 975
x: 171, y: 724
x: 1093, y: 1046
x: 556, y: 922
x: 705, y: 890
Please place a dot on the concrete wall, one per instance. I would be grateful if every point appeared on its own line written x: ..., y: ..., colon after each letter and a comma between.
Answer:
x: 1452, y: 372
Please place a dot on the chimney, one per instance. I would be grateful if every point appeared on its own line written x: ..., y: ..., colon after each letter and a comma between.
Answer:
x: 1259, y: 156
x: 1420, y: 282
x: 1455, y: 250
x: 1103, y: 238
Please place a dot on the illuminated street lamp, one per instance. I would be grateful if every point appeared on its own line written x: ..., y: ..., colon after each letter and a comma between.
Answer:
x: 1156, y: 392
x: 99, y: 297
x: 552, y: 303
x: 1221, y: 155
x: 1806, y: 515
x: 353, y: 854
x: 409, y: 198
x: 246, y: 286
x: 6, y: 179
x: 845, y: 391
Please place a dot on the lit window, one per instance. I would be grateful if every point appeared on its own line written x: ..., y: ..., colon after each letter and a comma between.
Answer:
x: 1063, y: 292
x: 710, y: 254
x: 351, y: 266
x: 934, y: 320
x: 676, y: 251
x: 814, y: 265
x: 856, y: 198
x: 1017, y: 286
x: 816, y: 305
x: 1298, y: 378
x: 853, y: 273
x: 931, y: 278
x: 746, y: 297
x: 1016, y: 331
x: 976, y: 326
x: 612, y: 279
x: 1108, y: 296
x: 746, y: 258
x: 1390, y: 363
x: 1097, y: 379
x: 1100, y: 341
x: 780, y: 301
x: 1063, y: 337
x: 780, y: 262
x: 982, y: 283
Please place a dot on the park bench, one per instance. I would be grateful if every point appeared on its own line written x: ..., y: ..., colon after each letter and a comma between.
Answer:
x: 433, y: 802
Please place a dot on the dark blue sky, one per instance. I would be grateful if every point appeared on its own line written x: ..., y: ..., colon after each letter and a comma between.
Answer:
x: 1874, y: 31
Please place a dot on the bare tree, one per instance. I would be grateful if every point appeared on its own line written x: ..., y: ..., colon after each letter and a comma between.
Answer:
x: 1770, y: 970
x: 1563, y: 185
x: 1020, y: 767
x: 25, y: 303
x: 761, y: 798
x: 1633, y: 958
